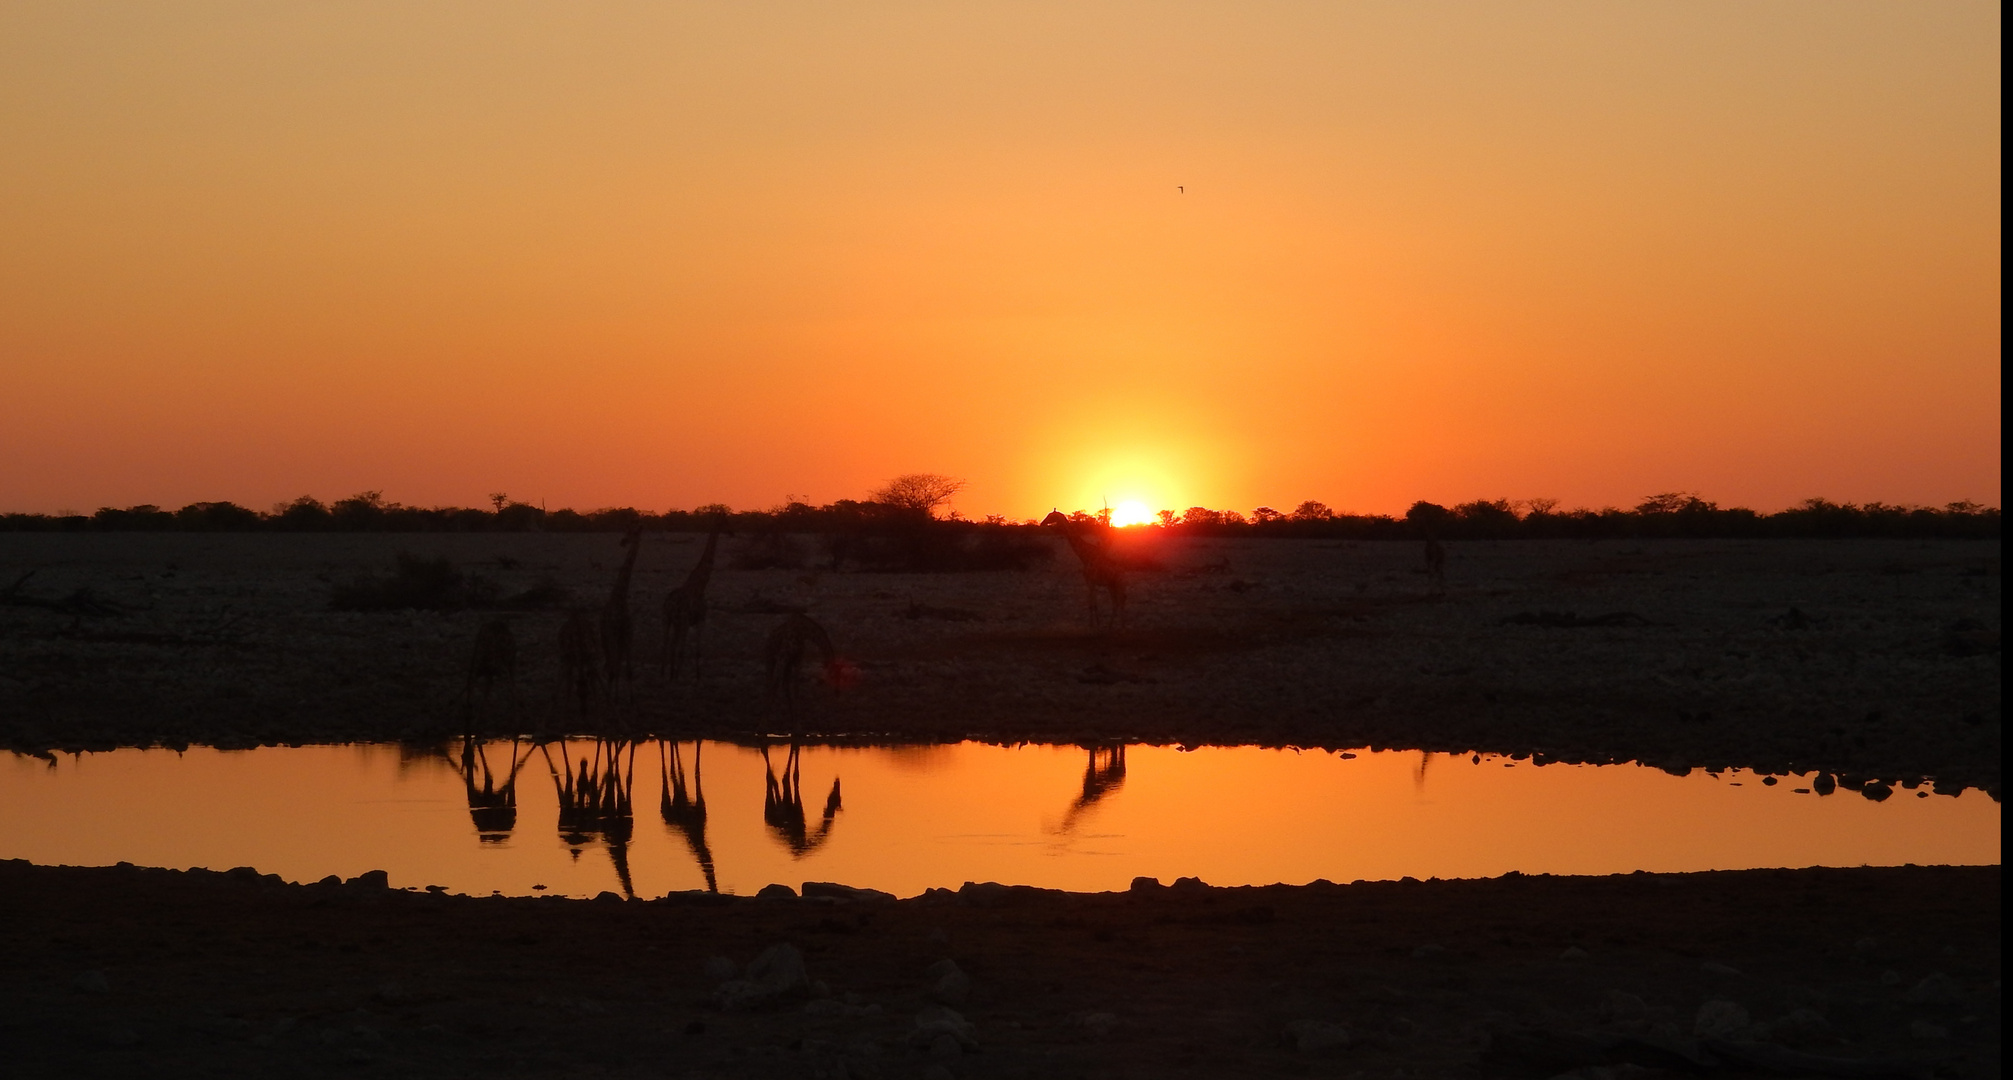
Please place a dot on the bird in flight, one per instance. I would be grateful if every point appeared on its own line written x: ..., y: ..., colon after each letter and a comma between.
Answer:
x: 1181, y: 188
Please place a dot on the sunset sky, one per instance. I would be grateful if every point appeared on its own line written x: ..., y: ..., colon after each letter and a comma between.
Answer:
x: 663, y: 254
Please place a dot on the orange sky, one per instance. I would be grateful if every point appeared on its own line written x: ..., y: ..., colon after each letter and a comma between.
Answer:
x: 667, y: 254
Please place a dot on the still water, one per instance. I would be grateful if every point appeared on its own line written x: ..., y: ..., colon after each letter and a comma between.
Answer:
x: 647, y: 818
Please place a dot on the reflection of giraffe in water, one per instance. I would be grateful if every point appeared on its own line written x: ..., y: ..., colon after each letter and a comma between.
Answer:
x: 783, y: 805
x: 1101, y: 569
x: 492, y: 808
x: 1419, y: 771
x: 685, y: 608
x: 1103, y: 774
x: 594, y: 801
x: 686, y: 812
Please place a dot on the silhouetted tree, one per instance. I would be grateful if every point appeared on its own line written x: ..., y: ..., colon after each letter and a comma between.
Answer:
x: 921, y: 492
x: 1313, y: 511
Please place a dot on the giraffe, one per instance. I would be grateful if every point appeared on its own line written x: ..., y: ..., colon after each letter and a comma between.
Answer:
x: 594, y: 801
x: 579, y: 660
x: 1100, y: 569
x: 493, y: 809
x: 685, y: 608
x: 686, y: 812
x: 783, y: 805
x: 1436, y: 561
x: 617, y: 630
x: 784, y: 654
x: 494, y: 659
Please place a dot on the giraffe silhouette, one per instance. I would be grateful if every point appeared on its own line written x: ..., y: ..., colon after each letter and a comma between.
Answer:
x: 685, y: 607
x: 579, y: 660
x: 683, y: 811
x: 492, y: 808
x: 493, y: 660
x: 1101, y: 570
x: 783, y: 805
x: 1103, y: 774
x: 1436, y: 561
x: 789, y: 643
x: 595, y: 801
x: 617, y: 628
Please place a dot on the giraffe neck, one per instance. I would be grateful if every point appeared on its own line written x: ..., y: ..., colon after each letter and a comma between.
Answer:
x: 702, y: 572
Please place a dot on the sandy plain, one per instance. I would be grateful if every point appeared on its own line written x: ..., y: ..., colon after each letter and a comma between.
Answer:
x: 1876, y: 660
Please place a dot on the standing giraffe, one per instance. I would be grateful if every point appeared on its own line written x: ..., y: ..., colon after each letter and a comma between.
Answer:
x: 1100, y: 569
x: 1436, y: 561
x: 685, y: 608
x: 784, y: 653
x: 579, y: 660
x: 617, y: 630
x: 494, y: 660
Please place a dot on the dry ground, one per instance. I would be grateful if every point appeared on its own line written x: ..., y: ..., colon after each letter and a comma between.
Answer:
x: 230, y: 640
x: 155, y: 973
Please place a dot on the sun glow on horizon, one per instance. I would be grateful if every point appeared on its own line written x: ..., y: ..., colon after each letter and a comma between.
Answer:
x: 1132, y: 512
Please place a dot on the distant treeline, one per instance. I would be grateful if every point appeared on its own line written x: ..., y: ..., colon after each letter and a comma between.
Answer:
x: 1668, y: 515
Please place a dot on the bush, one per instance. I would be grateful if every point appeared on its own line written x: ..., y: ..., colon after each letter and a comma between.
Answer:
x: 416, y: 583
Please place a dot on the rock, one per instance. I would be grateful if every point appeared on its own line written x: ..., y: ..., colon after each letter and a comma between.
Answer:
x: 1928, y: 1032
x: 391, y: 993
x: 370, y: 879
x: 1574, y: 954
x: 776, y: 892
x: 1146, y: 884
x: 949, y: 985
x: 1189, y: 885
x: 1621, y: 1007
x: 983, y: 893
x: 1098, y: 1023
x: 1428, y: 952
x: 331, y: 880
x: 1802, y: 1028
x: 91, y: 982
x: 1314, y: 1036
x: 720, y: 969
x: 835, y: 891
x: 1937, y: 989
x: 1890, y: 977
x: 1720, y: 1020
x: 946, y: 1048
x: 939, y: 1020
x: 122, y: 1036
x: 1714, y: 967
x: 777, y: 973
x: 606, y: 897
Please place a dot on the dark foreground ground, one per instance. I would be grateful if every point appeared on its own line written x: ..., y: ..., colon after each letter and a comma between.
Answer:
x: 1872, y: 659
x: 132, y: 972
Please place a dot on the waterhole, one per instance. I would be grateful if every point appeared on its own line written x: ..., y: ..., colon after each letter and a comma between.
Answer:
x: 645, y: 818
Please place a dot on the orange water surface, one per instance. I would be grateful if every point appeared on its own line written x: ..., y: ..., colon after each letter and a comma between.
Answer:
x: 906, y: 819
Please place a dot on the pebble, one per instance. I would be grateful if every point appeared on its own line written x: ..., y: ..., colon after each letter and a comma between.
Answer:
x: 777, y: 972
x: 1314, y: 1036
x: 1720, y: 1019
x: 1937, y: 989
x: 938, y: 1020
x: 1098, y: 1023
x: 949, y: 985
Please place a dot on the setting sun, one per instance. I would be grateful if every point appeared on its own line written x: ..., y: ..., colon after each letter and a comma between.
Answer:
x: 1131, y: 512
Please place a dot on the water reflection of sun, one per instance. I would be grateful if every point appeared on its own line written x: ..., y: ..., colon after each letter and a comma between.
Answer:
x: 1132, y: 512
